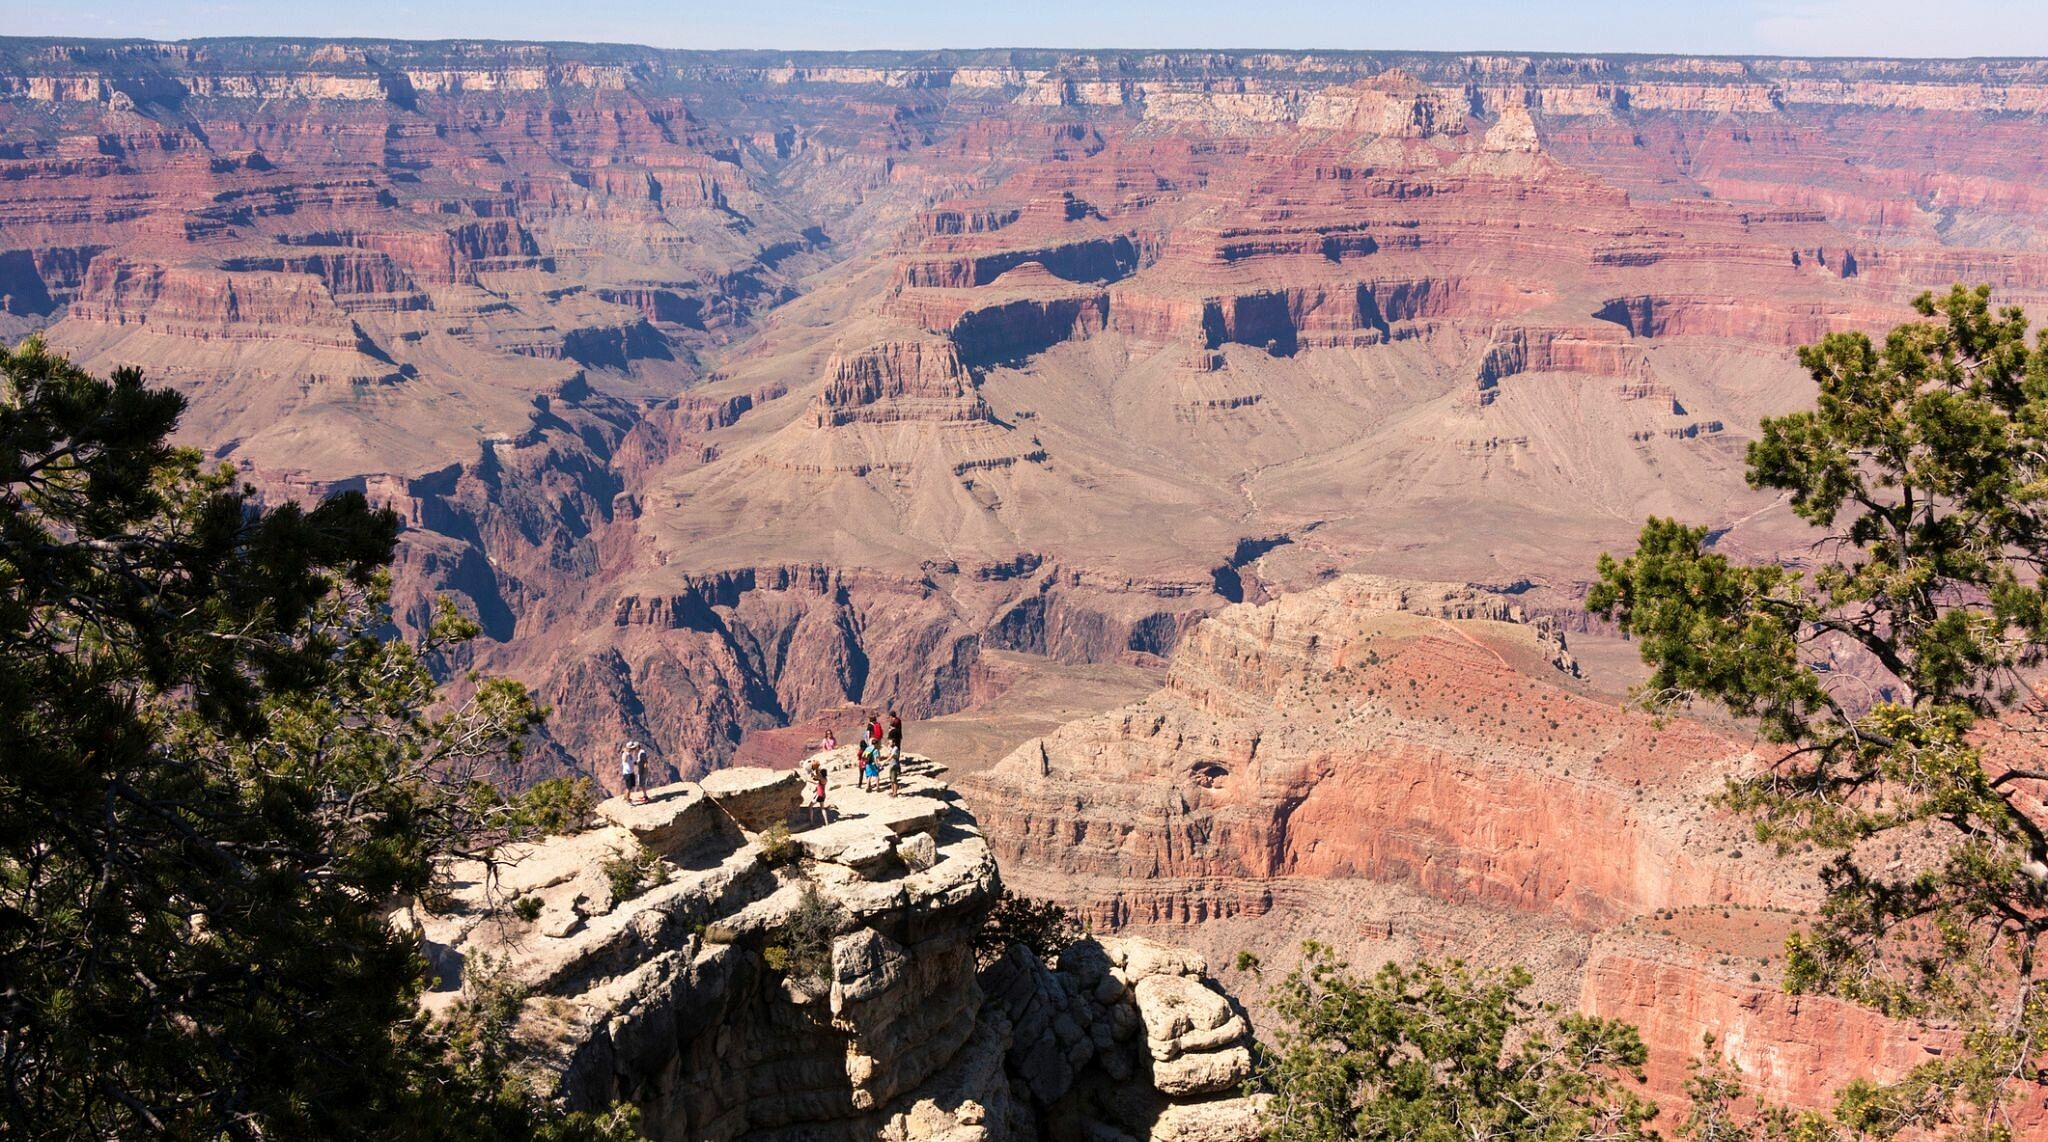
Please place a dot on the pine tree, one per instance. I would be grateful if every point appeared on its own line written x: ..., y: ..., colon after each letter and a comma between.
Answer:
x: 1440, y: 1053
x: 218, y: 776
x: 1912, y: 639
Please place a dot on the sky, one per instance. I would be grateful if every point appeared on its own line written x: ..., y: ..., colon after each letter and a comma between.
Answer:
x: 1722, y: 27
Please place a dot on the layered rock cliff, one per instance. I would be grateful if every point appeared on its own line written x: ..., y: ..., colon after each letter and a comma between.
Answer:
x: 1405, y: 770
x: 738, y: 968
x: 728, y: 388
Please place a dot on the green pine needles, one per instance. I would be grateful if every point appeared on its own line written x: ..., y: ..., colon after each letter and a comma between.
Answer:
x: 1443, y: 1053
x: 1895, y: 669
x: 219, y: 776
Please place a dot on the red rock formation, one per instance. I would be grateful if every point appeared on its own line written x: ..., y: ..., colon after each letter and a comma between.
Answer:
x: 577, y: 310
x: 1313, y: 764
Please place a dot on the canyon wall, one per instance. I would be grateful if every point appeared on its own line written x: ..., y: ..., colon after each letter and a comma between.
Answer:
x: 1404, y: 769
x: 726, y: 389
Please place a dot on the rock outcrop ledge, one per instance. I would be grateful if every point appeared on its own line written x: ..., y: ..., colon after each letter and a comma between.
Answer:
x: 663, y: 960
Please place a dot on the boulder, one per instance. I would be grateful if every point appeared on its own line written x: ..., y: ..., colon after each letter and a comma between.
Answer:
x: 861, y: 845
x: 1180, y: 1009
x: 1209, y: 1072
x: 1140, y: 958
x: 674, y: 818
x: 753, y: 796
x: 866, y: 966
x: 918, y: 851
x: 561, y: 921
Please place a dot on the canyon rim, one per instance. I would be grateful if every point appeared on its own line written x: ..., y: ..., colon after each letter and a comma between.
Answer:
x: 1207, y: 453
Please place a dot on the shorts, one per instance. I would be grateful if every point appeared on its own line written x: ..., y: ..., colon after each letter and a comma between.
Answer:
x: 633, y: 782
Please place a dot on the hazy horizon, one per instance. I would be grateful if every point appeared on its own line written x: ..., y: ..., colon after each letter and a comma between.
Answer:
x: 1807, y: 28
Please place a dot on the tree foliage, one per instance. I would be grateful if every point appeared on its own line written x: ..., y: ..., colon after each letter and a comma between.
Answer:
x: 1721, y: 1108
x: 1440, y: 1053
x: 1912, y: 634
x: 551, y: 807
x: 219, y: 776
x: 802, y: 949
x: 1041, y: 925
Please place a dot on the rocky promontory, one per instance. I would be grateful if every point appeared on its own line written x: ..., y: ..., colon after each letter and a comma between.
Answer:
x: 739, y: 967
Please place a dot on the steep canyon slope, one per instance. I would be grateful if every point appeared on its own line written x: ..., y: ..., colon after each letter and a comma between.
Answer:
x: 728, y: 388
x: 1405, y: 770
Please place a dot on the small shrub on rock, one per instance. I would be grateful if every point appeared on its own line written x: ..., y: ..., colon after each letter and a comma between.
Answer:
x: 527, y: 908
x: 802, y: 950
x: 631, y: 874
x: 1044, y: 927
x: 775, y: 844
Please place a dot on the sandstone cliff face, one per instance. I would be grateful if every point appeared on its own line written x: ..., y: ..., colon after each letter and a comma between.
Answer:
x: 727, y: 388
x: 1405, y: 770
x: 695, y: 999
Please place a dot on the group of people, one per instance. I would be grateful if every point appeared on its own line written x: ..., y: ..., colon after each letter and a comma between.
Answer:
x: 881, y: 753
x: 880, y: 759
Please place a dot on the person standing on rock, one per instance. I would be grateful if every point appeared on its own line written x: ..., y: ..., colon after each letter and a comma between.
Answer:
x: 815, y: 771
x: 893, y: 765
x: 895, y: 732
x: 632, y: 759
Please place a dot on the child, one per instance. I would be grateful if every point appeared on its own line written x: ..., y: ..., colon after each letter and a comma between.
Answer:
x: 817, y: 767
x: 894, y: 758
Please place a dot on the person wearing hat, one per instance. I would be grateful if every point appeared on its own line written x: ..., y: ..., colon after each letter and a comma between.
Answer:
x: 632, y: 772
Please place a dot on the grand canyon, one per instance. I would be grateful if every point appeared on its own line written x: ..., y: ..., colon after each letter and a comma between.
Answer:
x: 1207, y: 452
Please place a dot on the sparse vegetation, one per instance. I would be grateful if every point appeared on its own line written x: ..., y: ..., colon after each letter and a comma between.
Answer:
x: 803, y: 949
x: 776, y: 845
x: 1041, y: 925
x: 527, y: 908
x: 1438, y: 1051
x: 1723, y: 1109
x: 631, y: 873
x: 477, y: 1049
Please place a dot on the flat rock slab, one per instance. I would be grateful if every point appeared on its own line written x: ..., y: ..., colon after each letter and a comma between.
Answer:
x: 902, y: 815
x: 674, y: 818
x: 858, y: 843
x: 754, y: 796
x: 1215, y: 1120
